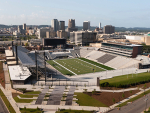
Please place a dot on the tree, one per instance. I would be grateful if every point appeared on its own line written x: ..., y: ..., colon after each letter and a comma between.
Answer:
x: 114, y: 100
x: 123, y: 95
x: 85, y: 85
x: 26, y: 44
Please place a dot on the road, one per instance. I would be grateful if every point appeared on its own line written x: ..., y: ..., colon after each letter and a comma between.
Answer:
x: 3, y: 109
x: 135, y: 107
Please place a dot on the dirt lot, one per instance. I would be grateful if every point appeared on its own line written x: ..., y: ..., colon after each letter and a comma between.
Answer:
x: 15, y: 94
x: 2, y: 57
x: 107, y: 97
x: 2, y: 78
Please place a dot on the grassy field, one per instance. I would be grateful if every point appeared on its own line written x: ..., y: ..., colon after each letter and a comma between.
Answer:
x: 74, y: 111
x: 60, y: 68
x: 135, y: 98
x: 25, y: 110
x: 86, y: 100
x: 10, y: 108
x: 22, y: 100
x: 97, y: 64
x: 77, y: 66
x: 27, y: 96
x: 126, y: 80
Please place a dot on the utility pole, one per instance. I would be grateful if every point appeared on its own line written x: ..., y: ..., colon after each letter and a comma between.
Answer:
x: 36, y: 67
x: 45, y: 66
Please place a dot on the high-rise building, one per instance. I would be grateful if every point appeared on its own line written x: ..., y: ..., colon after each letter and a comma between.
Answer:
x: 55, y: 25
x: 99, y: 25
x: 24, y: 26
x: 42, y: 32
x: 86, y: 25
x: 71, y: 25
x: 108, y: 29
x: 62, y: 34
x: 83, y: 37
x: 62, y: 25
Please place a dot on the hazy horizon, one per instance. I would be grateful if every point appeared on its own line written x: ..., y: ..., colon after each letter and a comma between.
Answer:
x: 117, y: 13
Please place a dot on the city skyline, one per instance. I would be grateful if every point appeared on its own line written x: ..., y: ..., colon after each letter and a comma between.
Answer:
x: 117, y: 13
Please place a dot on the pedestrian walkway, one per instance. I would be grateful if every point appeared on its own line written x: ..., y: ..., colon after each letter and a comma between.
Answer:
x: 56, y: 95
x: 3, y: 108
x: 7, y: 91
x: 42, y: 95
x: 70, y: 95
x: 129, y: 98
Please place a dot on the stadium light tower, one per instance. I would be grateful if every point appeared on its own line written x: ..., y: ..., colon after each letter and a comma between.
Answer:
x: 36, y: 67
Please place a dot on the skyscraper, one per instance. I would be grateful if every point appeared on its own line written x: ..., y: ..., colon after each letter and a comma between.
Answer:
x: 71, y: 25
x: 99, y: 25
x: 109, y: 29
x: 24, y: 26
x: 86, y: 25
x: 62, y: 25
x: 55, y: 25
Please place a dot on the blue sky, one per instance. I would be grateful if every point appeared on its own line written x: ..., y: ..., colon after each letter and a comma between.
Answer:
x: 119, y: 13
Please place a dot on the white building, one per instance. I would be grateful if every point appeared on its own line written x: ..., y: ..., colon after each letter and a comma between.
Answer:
x: 133, y: 37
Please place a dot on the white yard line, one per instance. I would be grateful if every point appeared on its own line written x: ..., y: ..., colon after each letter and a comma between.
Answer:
x: 92, y: 64
x: 64, y: 67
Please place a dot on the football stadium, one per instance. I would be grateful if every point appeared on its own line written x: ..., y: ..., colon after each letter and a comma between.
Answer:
x: 74, y: 64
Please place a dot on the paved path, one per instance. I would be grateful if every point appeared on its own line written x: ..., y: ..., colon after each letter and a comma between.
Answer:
x: 3, y: 108
x: 135, y: 107
x: 56, y: 95
x: 52, y: 107
x: 42, y: 95
x: 7, y: 78
x: 7, y: 91
x: 70, y: 95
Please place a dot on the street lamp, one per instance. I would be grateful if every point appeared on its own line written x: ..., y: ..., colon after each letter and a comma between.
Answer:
x: 146, y: 103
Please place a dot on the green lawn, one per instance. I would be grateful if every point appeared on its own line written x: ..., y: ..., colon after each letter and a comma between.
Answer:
x: 77, y: 66
x: 23, y: 110
x: 133, y: 99
x: 73, y: 111
x: 22, y: 100
x: 86, y: 100
x: 59, y: 68
x: 126, y: 80
x: 33, y: 92
x: 10, y: 108
x: 27, y: 96
x: 97, y: 64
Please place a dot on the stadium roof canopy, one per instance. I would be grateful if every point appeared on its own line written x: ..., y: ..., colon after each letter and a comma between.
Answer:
x: 23, y: 56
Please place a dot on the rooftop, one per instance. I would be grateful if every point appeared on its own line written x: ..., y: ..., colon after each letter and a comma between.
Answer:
x: 19, y: 73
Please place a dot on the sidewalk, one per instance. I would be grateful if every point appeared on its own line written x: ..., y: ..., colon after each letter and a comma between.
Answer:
x: 56, y: 107
x: 7, y: 91
x: 129, y: 98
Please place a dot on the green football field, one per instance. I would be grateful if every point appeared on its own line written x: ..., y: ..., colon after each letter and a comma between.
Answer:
x: 75, y: 66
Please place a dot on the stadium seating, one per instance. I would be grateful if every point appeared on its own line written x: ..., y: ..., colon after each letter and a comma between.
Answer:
x: 94, y: 55
x: 73, y: 53
x: 105, y: 58
x: 84, y: 52
x: 55, y: 55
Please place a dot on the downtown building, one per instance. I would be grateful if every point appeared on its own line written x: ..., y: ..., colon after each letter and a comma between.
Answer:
x: 86, y: 25
x: 55, y: 25
x: 83, y: 37
x: 108, y: 29
x: 71, y: 25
